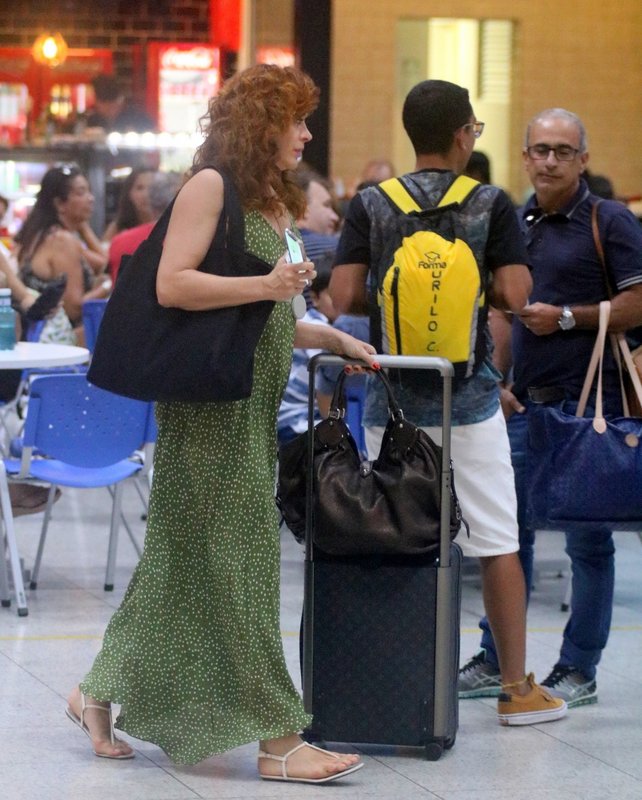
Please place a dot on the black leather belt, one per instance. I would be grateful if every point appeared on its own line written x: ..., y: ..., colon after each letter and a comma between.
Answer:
x: 546, y: 394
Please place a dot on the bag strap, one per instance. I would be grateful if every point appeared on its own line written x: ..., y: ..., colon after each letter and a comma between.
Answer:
x: 458, y: 190
x: 634, y: 375
x: 618, y: 341
x: 231, y: 214
x: 404, y: 201
x: 596, y: 362
x: 600, y: 249
x: 597, y: 358
x: 159, y: 231
x: 338, y: 404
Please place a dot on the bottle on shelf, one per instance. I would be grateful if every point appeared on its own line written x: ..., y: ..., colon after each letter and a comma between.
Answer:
x: 7, y: 321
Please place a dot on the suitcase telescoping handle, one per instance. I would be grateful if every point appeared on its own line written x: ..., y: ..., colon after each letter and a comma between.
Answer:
x: 445, y: 369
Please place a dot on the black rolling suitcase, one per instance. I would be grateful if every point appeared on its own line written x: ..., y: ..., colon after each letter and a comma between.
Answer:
x: 380, y: 634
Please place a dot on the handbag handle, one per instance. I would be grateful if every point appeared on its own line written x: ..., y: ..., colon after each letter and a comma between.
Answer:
x: 338, y: 402
x: 630, y: 365
x: 618, y: 341
x: 596, y: 363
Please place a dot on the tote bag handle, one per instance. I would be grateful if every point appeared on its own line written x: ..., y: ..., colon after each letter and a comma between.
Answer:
x: 596, y: 363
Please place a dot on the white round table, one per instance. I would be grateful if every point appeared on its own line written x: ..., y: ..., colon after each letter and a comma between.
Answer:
x: 29, y: 355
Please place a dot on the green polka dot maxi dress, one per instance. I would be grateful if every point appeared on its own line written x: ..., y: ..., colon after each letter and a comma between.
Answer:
x: 194, y: 653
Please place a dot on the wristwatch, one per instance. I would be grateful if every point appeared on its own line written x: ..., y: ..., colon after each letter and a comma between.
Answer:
x: 566, y: 320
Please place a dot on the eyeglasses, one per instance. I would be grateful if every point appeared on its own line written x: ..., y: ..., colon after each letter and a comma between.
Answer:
x: 478, y: 128
x: 563, y: 152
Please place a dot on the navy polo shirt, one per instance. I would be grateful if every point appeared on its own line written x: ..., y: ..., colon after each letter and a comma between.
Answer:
x: 566, y: 270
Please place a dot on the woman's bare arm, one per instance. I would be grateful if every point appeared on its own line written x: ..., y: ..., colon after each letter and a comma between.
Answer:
x: 95, y: 253
x: 191, y: 229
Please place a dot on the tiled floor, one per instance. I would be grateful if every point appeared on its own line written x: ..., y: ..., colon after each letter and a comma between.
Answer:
x: 593, y: 754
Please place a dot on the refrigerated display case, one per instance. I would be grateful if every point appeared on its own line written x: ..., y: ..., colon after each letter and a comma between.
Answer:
x: 41, y: 100
x: 14, y: 109
x: 282, y: 56
x: 181, y: 78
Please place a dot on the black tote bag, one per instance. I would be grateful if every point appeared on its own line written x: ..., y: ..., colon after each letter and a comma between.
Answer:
x: 150, y: 352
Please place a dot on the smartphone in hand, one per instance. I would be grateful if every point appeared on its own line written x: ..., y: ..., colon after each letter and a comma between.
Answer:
x: 296, y: 250
x: 295, y: 255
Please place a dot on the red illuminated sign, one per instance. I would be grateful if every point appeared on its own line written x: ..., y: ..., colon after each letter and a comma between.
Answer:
x: 196, y: 58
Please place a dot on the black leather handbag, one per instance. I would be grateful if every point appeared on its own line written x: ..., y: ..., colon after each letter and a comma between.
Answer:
x: 150, y: 352
x: 387, y: 506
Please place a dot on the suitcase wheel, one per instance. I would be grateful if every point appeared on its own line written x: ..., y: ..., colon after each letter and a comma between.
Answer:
x: 434, y: 751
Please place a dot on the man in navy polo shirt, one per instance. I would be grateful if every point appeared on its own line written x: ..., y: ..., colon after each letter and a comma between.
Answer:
x: 552, y: 340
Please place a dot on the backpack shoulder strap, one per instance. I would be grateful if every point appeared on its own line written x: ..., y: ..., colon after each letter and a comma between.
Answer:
x: 398, y: 195
x: 458, y: 191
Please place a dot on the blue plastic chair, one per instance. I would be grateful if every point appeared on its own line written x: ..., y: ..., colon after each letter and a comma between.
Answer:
x: 78, y: 435
x: 92, y: 315
x: 13, y: 444
x: 34, y: 330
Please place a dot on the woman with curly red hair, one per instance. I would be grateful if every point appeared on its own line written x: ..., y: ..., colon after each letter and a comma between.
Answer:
x: 194, y: 654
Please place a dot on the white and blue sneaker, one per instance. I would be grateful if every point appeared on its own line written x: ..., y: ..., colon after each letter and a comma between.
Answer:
x: 478, y: 678
x: 571, y: 685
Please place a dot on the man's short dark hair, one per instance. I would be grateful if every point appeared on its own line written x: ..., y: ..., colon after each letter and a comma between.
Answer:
x: 304, y: 175
x: 599, y: 185
x: 432, y: 112
x: 478, y: 167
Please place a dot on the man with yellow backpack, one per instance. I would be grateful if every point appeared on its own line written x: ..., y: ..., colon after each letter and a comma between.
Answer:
x: 425, y: 254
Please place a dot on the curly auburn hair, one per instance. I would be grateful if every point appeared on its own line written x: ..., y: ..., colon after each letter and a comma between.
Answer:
x: 242, y: 128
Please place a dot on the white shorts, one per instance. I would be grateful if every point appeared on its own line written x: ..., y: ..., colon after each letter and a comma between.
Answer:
x: 484, y: 483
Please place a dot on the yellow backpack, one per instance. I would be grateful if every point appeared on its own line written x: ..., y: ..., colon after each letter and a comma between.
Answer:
x: 430, y: 293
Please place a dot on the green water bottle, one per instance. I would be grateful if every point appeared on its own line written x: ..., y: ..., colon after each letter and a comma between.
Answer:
x: 7, y: 321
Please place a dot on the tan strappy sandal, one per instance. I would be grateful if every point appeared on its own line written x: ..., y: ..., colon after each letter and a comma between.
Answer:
x: 284, y: 768
x: 80, y: 722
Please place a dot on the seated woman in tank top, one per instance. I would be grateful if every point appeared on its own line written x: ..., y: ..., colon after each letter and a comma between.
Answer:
x: 56, y: 240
